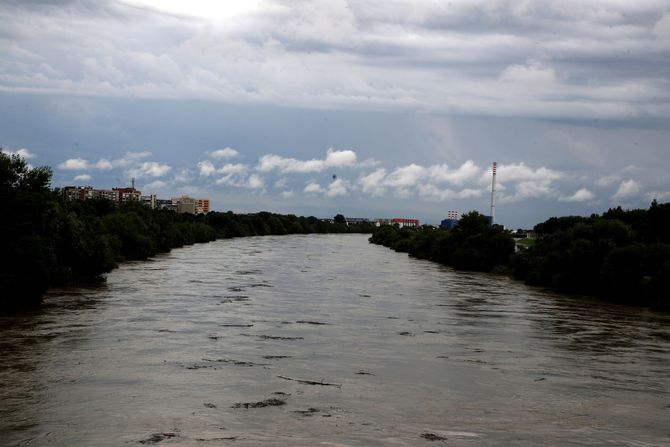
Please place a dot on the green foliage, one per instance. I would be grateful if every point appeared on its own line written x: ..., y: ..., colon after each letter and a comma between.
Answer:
x: 24, y: 258
x: 49, y: 241
x: 623, y: 256
x: 472, y: 245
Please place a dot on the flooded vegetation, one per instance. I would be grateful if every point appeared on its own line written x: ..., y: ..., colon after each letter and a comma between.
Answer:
x: 621, y: 256
x: 301, y: 340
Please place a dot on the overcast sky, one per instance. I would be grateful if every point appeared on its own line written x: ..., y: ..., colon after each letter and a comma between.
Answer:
x: 371, y: 109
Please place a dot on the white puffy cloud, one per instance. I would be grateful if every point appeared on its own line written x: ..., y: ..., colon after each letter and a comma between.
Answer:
x: 255, y: 182
x: 182, y: 176
x: 82, y: 178
x: 413, y: 175
x: 405, y: 176
x: 149, y: 169
x: 313, y: 188
x: 229, y: 180
x: 522, y: 172
x: 23, y: 153
x: 433, y: 192
x: 231, y: 174
x: 528, y: 183
x: 227, y: 152
x: 128, y: 159
x: 339, y: 159
x: 103, y: 164
x: 206, y: 168
x: 607, y: 180
x: 438, y: 182
x: 80, y: 164
x: 442, y: 173
x: 373, y: 183
x: 75, y: 164
x: 581, y: 195
x: 131, y: 165
x: 435, y: 182
x: 273, y: 162
x: 334, y: 159
x: 338, y: 187
x: 529, y: 189
x: 287, y: 194
x: 627, y: 189
x: 236, y: 175
x: 466, y: 181
x: 233, y: 168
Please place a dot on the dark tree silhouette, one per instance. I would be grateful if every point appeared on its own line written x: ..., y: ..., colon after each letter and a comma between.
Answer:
x: 46, y: 240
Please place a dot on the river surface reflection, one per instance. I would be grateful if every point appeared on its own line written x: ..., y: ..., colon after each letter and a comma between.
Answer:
x: 390, y: 351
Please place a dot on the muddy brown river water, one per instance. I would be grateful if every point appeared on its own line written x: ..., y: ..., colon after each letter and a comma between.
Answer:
x: 328, y: 340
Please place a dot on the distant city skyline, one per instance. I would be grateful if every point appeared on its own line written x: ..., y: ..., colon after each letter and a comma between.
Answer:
x: 353, y: 108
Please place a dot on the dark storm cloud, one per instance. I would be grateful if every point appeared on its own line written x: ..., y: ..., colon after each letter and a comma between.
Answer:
x: 552, y: 59
x: 571, y: 98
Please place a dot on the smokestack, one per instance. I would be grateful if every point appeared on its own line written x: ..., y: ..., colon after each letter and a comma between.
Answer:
x: 493, y: 194
x: 133, y: 182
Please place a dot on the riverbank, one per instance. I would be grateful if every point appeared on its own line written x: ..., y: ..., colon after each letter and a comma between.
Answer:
x: 49, y: 241
x: 621, y: 256
x: 85, y: 240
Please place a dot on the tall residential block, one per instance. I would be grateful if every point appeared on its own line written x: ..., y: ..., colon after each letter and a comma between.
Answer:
x: 185, y: 204
x: 201, y: 206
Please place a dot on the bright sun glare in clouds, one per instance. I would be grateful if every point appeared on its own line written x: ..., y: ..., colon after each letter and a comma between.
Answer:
x: 209, y: 9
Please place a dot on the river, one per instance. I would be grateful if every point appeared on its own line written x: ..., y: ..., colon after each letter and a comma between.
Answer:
x: 328, y: 340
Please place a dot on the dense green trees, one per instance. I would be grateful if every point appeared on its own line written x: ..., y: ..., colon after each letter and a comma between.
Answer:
x: 472, y: 245
x: 23, y: 256
x: 264, y: 223
x: 623, y: 256
x: 48, y: 241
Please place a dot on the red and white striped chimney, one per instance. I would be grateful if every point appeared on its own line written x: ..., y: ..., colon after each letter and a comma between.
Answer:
x: 493, y: 194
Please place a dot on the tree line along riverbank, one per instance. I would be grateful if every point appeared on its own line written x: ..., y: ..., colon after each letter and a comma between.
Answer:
x: 621, y: 255
x: 48, y: 241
